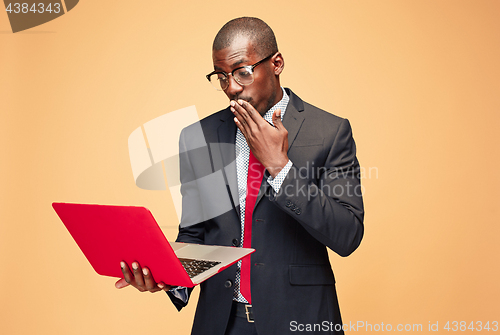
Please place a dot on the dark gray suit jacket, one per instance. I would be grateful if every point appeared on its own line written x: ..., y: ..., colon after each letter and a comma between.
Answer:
x: 319, y: 206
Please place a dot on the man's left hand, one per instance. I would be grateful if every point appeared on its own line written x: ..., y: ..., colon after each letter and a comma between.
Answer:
x: 268, y: 143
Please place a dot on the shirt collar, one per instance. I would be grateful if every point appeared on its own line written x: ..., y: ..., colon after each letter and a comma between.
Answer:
x: 282, y: 104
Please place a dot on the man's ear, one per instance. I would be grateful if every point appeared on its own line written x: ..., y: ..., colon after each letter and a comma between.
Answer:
x: 278, y: 63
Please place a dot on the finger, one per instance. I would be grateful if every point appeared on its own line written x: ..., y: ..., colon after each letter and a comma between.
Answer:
x: 239, y: 120
x: 247, y: 112
x: 126, y: 272
x: 251, y: 112
x: 164, y: 287
x: 239, y: 113
x: 240, y: 126
x: 277, y: 119
x: 138, y: 277
x: 149, y: 281
x: 121, y: 283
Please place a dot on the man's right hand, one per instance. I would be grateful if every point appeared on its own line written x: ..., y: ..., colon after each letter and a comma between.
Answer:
x: 140, y: 278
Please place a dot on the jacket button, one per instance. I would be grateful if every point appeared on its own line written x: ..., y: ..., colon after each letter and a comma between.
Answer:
x: 228, y: 284
x: 288, y: 204
x: 236, y: 242
x: 298, y: 211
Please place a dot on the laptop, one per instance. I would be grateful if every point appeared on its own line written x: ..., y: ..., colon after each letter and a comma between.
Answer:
x: 109, y: 234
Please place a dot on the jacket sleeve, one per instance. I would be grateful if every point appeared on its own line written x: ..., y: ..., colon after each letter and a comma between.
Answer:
x: 329, y: 206
x: 190, y: 229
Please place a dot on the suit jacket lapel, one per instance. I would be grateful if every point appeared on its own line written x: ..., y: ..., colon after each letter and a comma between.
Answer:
x: 227, y: 150
x: 293, y: 118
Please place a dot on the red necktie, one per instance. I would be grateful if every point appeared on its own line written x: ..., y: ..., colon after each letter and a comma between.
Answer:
x: 254, y: 179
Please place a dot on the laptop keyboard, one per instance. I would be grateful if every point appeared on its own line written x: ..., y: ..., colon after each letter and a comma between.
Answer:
x: 194, y: 267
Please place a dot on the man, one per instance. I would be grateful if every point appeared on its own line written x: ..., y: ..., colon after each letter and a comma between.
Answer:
x: 309, y: 197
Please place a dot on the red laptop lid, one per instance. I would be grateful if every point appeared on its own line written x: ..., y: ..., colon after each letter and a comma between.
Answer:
x: 110, y: 234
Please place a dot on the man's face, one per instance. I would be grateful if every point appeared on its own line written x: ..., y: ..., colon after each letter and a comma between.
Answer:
x: 262, y: 93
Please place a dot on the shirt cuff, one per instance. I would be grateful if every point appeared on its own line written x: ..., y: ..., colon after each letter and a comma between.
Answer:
x: 280, y: 177
x: 180, y: 293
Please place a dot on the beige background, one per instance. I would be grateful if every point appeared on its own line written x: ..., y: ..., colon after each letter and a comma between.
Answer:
x: 419, y: 81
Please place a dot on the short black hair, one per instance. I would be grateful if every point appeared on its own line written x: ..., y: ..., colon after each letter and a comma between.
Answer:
x: 254, y: 29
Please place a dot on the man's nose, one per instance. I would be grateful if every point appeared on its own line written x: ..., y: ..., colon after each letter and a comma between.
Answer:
x: 233, y: 88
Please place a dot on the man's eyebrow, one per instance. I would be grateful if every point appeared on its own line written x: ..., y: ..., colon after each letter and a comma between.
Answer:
x: 239, y: 62
x: 234, y: 65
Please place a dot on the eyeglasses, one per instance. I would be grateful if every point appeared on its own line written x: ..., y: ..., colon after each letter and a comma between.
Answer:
x: 243, y: 76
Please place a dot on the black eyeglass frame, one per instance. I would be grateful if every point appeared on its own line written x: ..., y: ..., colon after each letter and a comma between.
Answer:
x: 249, y: 68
